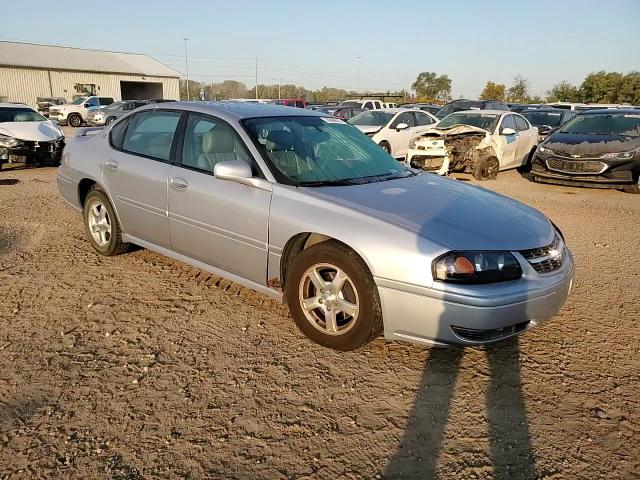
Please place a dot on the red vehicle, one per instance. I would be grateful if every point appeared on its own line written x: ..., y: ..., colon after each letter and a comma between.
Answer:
x: 291, y: 102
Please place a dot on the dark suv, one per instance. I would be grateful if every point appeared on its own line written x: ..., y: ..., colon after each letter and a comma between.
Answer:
x: 460, y: 105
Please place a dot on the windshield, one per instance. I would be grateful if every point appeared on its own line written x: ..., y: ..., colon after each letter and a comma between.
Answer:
x: 457, y: 107
x: 537, y: 119
x: 616, y: 124
x: 317, y: 151
x: 372, y: 118
x: 78, y: 101
x: 114, y: 105
x: 487, y: 121
x: 350, y: 103
x: 20, y: 115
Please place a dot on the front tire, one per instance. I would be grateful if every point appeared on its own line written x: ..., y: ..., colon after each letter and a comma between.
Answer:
x: 109, y: 121
x: 101, y: 224
x: 486, y: 168
x: 333, y: 298
x: 74, y: 120
x: 386, y: 147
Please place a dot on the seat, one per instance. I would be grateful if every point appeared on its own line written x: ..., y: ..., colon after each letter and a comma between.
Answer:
x: 279, y: 145
x: 218, y: 145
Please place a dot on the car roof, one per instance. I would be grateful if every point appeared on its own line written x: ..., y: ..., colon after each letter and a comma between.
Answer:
x: 231, y: 110
x: 14, y: 105
x: 484, y: 112
x: 605, y: 111
x: 545, y: 110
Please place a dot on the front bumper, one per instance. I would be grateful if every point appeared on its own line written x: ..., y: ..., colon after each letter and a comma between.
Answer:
x: 427, y: 316
x: 618, y: 174
x: 60, y: 117
x: 31, y: 153
x: 95, y: 122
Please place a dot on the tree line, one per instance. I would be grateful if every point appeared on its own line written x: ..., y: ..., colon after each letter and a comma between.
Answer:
x: 597, y: 87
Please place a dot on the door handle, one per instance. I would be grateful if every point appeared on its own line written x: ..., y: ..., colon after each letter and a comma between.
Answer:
x: 111, y: 165
x: 178, y: 183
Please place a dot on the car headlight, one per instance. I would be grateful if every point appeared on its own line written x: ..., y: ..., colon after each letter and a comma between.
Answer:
x: 546, y: 151
x: 620, y: 155
x: 8, y: 142
x: 476, y: 267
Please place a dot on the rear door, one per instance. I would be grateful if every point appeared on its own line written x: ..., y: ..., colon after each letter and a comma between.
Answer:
x: 527, y: 140
x: 222, y: 223
x: 137, y: 171
x: 507, y: 143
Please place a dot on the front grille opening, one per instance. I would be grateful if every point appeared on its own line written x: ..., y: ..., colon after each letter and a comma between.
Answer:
x: 474, y: 335
x: 542, y: 259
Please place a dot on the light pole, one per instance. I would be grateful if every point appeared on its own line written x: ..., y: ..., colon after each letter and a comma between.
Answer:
x: 186, y: 65
x: 358, y: 73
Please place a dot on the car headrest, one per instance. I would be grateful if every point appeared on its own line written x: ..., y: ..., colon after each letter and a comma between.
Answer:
x: 279, y: 140
x: 218, y: 140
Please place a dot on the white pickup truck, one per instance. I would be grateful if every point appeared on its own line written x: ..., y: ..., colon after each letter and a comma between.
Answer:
x: 75, y: 113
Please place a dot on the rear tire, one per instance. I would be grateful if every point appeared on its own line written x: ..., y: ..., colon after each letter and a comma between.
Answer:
x: 486, y: 168
x: 109, y: 121
x: 74, y: 120
x: 526, y: 166
x: 333, y: 282
x: 101, y: 224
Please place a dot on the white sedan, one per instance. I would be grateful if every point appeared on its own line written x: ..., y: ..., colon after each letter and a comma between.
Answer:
x: 480, y: 142
x: 393, y: 128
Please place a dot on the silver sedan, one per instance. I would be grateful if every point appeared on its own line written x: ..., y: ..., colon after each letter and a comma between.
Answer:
x: 305, y: 208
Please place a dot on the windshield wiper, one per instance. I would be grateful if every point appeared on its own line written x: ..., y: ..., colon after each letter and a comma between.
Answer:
x: 326, y: 183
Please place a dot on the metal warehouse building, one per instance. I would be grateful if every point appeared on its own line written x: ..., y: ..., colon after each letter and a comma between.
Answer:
x: 29, y: 71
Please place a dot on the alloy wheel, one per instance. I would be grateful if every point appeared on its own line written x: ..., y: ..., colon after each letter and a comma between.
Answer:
x: 328, y: 299
x: 99, y: 223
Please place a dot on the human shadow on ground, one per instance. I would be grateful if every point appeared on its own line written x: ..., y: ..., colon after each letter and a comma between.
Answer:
x: 509, y: 437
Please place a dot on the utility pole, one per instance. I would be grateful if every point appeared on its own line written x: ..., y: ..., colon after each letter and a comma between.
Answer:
x: 186, y: 66
x: 256, y: 78
x: 358, y: 73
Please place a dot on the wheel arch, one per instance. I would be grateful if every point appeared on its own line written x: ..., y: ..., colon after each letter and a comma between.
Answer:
x: 302, y: 241
x: 84, y: 187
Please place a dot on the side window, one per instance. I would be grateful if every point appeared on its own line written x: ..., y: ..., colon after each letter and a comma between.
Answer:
x: 91, y: 102
x: 299, y: 104
x: 151, y: 134
x: 368, y: 106
x: 106, y: 100
x: 208, y: 141
x: 406, y: 117
x: 128, y: 106
x: 521, y: 123
x: 422, y: 119
x: 116, y: 136
x: 508, y: 122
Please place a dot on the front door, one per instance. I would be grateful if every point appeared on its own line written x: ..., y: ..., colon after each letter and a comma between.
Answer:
x: 136, y: 174
x: 508, y: 143
x: 400, y: 139
x: 219, y: 222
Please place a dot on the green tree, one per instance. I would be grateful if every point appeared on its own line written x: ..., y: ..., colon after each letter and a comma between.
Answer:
x: 564, y: 92
x: 519, y: 91
x: 630, y: 91
x: 493, y: 91
x: 432, y: 87
x: 602, y: 87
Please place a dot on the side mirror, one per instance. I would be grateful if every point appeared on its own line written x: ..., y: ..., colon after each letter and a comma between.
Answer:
x: 508, y: 131
x: 239, y: 172
x: 401, y: 126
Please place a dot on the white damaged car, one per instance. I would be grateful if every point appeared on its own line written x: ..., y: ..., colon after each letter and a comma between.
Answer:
x: 480, y: 142
x: 28, y: 137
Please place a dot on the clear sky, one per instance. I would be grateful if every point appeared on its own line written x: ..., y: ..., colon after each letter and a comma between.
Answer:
x: 317, y: 43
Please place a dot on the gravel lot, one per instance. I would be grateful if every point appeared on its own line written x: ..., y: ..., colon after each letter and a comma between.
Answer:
x: 140, y: 367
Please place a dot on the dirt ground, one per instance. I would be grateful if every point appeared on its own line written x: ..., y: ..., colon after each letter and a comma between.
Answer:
x: 141, y: 367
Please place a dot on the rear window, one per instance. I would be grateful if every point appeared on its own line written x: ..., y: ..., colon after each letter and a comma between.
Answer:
x: 458, y: 107
x: 550, y: 119
x: 487, y: 121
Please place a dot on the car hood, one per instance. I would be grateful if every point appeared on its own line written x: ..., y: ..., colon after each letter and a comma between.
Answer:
x: 447, y: 212
x: 368, y: 128
x: 31, y: 131
x: 453, y: 130
x: 587, y: 145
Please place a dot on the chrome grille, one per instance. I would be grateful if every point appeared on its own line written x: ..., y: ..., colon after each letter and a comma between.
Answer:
x: 576, y: 166
x: 546, y: 259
